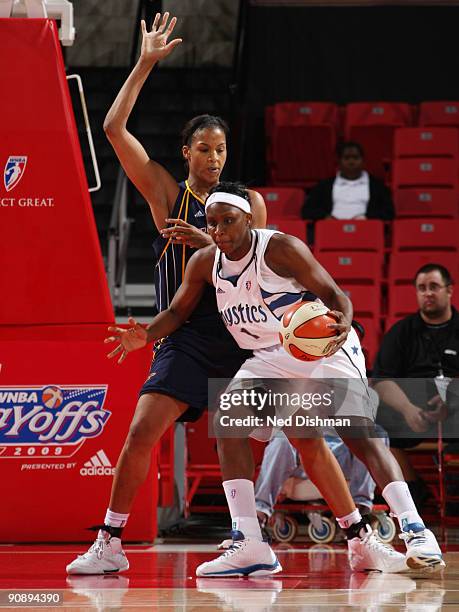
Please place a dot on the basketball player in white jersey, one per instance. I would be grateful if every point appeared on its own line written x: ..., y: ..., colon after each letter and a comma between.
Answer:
x: 247, y: 267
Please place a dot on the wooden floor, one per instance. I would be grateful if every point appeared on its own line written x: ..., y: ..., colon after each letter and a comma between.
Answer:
x: 162, y: 578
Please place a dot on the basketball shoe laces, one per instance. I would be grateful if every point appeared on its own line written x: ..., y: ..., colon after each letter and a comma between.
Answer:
x: 373, y: 542
x: 412, y: 538
x: 234, y: 548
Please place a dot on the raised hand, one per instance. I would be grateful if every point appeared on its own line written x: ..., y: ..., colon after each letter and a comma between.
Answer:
x: 154, y: 44
x: 131, y: 339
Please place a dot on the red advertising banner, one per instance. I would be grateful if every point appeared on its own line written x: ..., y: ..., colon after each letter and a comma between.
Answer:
x: 50, y: 259
x: 65, y: 410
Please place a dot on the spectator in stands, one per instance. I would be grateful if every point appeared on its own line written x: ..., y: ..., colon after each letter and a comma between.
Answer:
x: 352, y: 193
x: 285, y: 457
x: 424, y: 345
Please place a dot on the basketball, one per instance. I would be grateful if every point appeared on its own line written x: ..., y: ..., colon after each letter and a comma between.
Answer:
x: 52, y: 397
x: 304, y: 333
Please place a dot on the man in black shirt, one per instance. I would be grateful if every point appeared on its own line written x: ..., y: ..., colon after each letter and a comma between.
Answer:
x: 424, y: 345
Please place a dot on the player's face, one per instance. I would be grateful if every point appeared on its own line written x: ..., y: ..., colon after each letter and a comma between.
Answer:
x: 351, y: 163
x: 229, y: 228
x: 207, y: 155
x: 433, y: 295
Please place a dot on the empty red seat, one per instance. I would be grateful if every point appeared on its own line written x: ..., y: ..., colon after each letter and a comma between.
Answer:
x: 352, y: 267
x: 404, y: 265
x: 425, y: 172
x: 372, y: 124
x: 402, y: 301
x: 425, y: 234
x: 301, y: 142
x: 426, y: 142
x: 289, y: 226
x: 370, y: 342
x: 350, y: 235
x: 426, y: 202
x: 366, y: 299
x: 282, y: 202
x: 439, y: 113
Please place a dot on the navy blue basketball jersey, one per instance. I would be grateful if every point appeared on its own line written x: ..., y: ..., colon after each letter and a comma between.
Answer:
x: 171, y: 259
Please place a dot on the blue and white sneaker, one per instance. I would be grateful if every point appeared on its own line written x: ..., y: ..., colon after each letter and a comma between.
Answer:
x: 422, y: 550
x: 245, y: 557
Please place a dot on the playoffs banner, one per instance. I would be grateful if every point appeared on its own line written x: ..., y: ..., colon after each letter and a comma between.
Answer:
x: 65, y: 410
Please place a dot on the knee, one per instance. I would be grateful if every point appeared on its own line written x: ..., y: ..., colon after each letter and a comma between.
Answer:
x: 140, y: 436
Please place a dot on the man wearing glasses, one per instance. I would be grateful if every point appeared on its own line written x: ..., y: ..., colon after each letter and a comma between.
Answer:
x: 422, y: 346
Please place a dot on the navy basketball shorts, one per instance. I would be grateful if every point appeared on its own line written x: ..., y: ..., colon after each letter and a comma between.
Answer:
x: 185, y: 360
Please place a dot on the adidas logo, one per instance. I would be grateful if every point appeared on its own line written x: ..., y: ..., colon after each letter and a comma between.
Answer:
x: 219, y: 290
x: 98, y: 465
x: 199, y: 214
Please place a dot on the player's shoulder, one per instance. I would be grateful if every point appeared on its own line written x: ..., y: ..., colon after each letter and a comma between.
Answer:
x: 205, y: 254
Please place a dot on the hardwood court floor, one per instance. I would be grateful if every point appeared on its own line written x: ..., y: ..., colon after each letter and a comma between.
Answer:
x: 162, y: 578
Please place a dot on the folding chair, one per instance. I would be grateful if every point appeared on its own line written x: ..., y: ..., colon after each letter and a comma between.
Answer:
x: 425, y: 235
x: 425, y: 172
x: 289, y: 226
x: 302, y: 142
x: 372, y: 124
x: 282, y: 202
x: 426, y: 142
x: 426, y: 202
x: 349, y: 235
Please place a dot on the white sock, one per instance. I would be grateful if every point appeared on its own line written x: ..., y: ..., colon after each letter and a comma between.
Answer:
x: 115, y: 519
x: 350, y: 519
x: 240, y: 496
x: 401, y: 504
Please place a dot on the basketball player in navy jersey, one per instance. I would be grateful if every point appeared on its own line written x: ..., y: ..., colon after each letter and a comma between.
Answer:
x: 257, y: 272
x: 176, y: 388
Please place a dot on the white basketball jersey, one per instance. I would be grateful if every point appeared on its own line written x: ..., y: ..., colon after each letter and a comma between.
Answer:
x: 253, y: 300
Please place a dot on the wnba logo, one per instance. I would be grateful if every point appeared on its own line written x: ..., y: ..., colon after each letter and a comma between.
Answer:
x: 52, y: 397
x: 14, y: 171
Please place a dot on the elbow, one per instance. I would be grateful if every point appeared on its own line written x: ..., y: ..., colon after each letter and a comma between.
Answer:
x: 110, y: 128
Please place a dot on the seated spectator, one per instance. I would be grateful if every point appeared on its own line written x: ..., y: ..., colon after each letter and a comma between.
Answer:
x: 280, y: 453
x: 424, y: 345
x: 352, y: 193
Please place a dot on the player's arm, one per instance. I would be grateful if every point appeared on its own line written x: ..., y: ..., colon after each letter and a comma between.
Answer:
x: 258, y: 208
x: 288, y: 256
x: 198, y: 273
x: 153, y: 181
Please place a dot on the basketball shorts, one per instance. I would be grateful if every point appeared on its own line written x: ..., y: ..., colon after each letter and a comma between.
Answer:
x: 184, y: 361
x: 348, y: 385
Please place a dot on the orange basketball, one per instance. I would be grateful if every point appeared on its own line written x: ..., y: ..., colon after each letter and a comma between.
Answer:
x: 303, y: 331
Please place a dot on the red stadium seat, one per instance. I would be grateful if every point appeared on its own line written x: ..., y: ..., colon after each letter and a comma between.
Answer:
x: 301, y: 142
x: 366, y: 300
x: 350, y: 235
x: 426, y: 142
x: 439, y: 113
x: 290, y: 226
x: 372, y: 124
x: 425, y: 234
x: 352, y: 267
x: 282, y: 202
x: 426, y: 172
x: 370, y: 342
x: 426, y: 202
x: 404, y: 265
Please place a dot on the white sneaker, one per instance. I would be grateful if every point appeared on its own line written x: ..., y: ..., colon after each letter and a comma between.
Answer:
x: 105, y: 556
x: 422, y: 550
x: 245, y: 557
x: 367, y: 553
